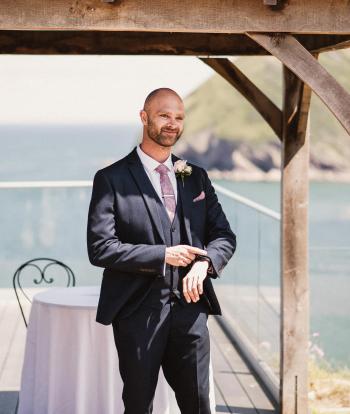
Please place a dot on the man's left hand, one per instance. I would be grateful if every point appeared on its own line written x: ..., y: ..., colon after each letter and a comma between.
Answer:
x: 192, y: 283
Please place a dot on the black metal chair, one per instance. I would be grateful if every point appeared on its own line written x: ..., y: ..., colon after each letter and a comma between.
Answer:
x: 47, y: 262
x: 32, y: 263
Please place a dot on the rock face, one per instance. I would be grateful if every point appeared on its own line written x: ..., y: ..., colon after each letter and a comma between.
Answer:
x: 242, y: 161
x: 226, y: 135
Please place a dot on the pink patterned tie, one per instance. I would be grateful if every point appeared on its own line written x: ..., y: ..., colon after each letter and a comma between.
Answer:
x: 167, y: 190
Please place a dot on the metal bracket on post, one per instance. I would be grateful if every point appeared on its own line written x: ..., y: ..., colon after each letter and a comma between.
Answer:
x: 107, y: 1
x: 270, y: 2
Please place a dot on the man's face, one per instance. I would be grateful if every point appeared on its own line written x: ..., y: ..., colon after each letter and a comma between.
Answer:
x: 164, y: 119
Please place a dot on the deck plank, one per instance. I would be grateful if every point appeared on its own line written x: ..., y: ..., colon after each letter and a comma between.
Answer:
x: 234, y: 394
x: 9, y: 325
x: 221, y: 405
x: 13, y: 365
x: 245, y: 378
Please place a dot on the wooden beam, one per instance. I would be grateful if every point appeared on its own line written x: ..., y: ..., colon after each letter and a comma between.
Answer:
x: 294, y: 56
x: 294, y: 247
x: 343, y: 44
x: 150, y: 43
x: 267, y: 109
x: 324, y: 42
x: 224, y: 16
x: 130, y: 43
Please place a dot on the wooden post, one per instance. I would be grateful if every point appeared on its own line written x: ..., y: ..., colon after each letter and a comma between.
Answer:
x: 294, y: 247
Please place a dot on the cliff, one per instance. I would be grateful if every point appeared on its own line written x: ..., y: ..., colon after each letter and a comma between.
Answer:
x: 227, y: 136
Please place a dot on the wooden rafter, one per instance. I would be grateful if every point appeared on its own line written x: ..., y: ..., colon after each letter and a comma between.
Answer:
x: 323, y: 43
x: 225, y: 16
x: 341, y: 44
x: 151, y: 43
x: 267, y: 109
x: 294, y: 56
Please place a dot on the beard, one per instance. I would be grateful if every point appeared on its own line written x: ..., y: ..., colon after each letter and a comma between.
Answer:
x: 161, y: 137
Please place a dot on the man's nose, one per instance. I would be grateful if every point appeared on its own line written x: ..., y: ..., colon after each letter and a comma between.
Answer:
x: 172, y: 123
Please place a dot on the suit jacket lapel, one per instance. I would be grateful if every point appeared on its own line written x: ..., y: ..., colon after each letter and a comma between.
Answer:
x: 147, y: 190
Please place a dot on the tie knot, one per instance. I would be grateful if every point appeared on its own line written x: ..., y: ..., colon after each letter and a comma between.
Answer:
x: 162, y: 169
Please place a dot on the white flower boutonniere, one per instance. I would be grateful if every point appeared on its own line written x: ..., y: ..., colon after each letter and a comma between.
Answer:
x: 182, y: 169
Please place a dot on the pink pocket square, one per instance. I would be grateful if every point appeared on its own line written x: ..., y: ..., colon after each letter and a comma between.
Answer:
x: 199, y: 197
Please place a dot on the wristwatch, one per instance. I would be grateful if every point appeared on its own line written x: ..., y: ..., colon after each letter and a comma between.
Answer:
x: 200, y: 258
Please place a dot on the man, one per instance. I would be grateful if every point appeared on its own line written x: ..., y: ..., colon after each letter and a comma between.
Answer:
x: 160, y: 238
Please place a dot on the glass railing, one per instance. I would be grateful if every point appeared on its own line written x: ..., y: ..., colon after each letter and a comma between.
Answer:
x: 45, y: 219
x: 49, y: 219
x: 330, y: 305
x: 249, y: 287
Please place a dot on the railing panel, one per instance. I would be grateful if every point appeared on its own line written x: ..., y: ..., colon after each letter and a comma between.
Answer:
x: 249, y: 288
x: 49, y: 222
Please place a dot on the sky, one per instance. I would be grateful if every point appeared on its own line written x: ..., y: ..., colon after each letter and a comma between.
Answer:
x: 89, y: 89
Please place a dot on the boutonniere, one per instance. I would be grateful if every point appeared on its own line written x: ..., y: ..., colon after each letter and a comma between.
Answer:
x: 182, y: 169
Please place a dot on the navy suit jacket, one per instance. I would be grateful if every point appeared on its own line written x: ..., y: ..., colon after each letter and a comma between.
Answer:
x: 125, y: 236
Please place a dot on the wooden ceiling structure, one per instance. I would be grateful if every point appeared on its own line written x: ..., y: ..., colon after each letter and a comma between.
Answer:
x: 294, y: 31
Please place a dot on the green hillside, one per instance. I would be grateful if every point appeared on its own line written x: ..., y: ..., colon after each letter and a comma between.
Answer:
x: 218, y: 107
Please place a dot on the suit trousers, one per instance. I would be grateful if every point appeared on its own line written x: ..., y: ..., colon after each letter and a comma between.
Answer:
x: 174, y: 337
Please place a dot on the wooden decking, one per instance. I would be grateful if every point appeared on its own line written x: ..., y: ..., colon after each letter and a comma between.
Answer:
x: 236, y: 389
x: 12, y: 334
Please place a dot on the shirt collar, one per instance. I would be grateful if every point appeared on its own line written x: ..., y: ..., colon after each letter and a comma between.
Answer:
x: 150, y: 163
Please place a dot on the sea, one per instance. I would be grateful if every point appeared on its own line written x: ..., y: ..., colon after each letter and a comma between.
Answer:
x: 51, y: 222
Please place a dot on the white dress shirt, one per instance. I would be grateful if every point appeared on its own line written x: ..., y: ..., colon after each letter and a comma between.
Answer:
x: 149, y: 165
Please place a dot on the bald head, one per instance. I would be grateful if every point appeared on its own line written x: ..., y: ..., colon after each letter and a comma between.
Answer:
x: 159, y: 95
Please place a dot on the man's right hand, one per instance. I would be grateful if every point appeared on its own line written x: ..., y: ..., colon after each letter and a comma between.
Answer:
x: 182, y: 254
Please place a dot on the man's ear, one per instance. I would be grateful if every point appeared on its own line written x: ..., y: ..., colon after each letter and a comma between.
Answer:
x: 144, y: 117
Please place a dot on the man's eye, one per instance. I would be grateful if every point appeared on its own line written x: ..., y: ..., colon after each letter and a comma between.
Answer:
x: 164, y: 115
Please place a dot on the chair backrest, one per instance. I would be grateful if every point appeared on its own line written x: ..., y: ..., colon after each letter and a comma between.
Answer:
x: 41, y: 265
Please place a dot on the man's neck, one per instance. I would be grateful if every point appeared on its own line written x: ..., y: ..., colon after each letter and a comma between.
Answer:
x: 155, y: 151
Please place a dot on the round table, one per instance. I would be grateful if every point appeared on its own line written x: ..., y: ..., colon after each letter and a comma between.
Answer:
x: 71, y: 363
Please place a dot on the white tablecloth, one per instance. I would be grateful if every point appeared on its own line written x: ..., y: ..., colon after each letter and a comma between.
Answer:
x: 71, y: 363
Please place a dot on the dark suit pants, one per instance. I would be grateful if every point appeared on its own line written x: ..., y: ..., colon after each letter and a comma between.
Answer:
x: 175, y: 337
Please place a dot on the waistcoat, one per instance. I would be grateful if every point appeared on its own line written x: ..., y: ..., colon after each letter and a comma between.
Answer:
x: 170, y: 286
